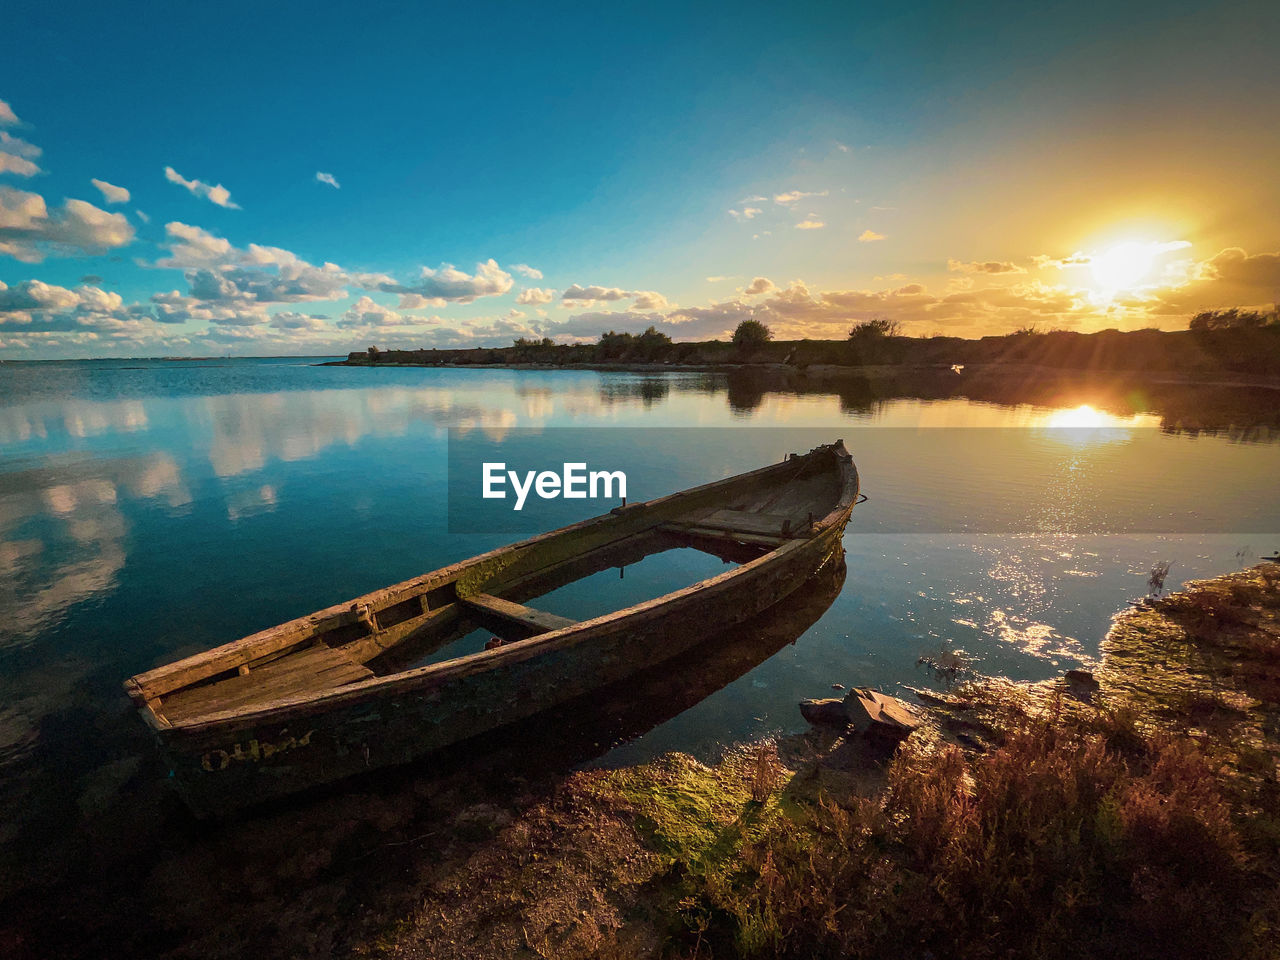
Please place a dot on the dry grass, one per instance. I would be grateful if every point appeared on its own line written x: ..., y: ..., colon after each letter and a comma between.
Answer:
x: 1055, y: 844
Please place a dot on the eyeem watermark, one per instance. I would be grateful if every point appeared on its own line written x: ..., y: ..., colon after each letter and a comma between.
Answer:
x: 573, y: 482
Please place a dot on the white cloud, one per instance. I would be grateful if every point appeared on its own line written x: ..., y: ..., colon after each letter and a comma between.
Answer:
x: 111, y: 193
x: 35, y: 295
x: 593, y: 292
x: 451, y: 285
x: 174, y: 307
x: 194, y: 247
x: 1233, y: 265
x: 1230, y: 278
x: 242, y: 281
x: 142, y: 216
x: 328, y: 178
x: 20, y: 166
x: 35, y: 308
x: 984, y: 266
x: 29, y: 231
x: 649, y: 300
x: 533, y: 273
x: 7, y: 116
x: 810, y: 225
x: 19, y: 147
x: 480, y: 332
x: 532, y: 295
x: 641, y: 299
x: 1077, y: 259
x: 366, y: 313
x: 760, y: 285
x: 288, y: 320
x: 214, y: 194
x: 791, y: 196
x: 869, y: 236
x: 746, y: 213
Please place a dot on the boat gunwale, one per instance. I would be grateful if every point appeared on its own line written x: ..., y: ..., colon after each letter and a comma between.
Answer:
x: 436, y: 674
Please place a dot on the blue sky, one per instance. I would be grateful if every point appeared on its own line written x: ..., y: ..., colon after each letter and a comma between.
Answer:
x: 961, y: 170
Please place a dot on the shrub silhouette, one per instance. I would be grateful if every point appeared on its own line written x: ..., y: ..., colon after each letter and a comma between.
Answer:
x: 751, y: 333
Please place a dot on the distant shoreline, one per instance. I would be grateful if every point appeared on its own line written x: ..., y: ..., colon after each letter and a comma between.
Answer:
x: 1248, y: 357
x: 832, y: 372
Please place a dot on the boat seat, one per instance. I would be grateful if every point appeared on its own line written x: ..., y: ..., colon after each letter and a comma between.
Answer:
x: 309, y: 671
x: 774, y: 525
x: 538, y: 621
x: 711, y: 533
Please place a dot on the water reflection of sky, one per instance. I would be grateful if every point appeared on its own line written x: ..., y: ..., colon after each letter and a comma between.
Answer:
x: 148, y: 513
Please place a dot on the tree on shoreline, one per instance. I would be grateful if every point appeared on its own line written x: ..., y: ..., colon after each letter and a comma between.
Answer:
x: 751, y: 333
x: 875, y: 329
x: 648, y: 346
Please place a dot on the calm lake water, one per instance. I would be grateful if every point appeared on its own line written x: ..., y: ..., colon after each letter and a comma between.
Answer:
x: 152, y: 509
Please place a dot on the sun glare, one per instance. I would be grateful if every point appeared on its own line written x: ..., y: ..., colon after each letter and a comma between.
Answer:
x: 1124, y: 266
x: 1129, y: 265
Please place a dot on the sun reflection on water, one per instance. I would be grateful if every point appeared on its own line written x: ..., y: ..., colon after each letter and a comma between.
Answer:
x: 1085, y: 424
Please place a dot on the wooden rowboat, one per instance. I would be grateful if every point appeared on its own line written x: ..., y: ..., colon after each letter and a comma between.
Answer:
x: 336, y: 693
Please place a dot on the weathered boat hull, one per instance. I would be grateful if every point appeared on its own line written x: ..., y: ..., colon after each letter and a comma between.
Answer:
x: 239, y: 764
x: 301, y: 704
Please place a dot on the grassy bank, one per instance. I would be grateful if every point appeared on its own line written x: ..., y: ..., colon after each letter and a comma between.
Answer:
x: 1139, y: 819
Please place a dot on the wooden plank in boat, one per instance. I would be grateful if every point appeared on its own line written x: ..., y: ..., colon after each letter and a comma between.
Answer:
x: 710, y: 533
x: 313, y: 670
x: 742, y: 521
x: 538, y: 620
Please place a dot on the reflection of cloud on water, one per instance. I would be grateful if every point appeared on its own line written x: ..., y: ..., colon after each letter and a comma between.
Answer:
x: 62, y: 535
x: 160, y: 478
x: 91, y: 419
x: 248, y: 430
x: 539, y: 403
x: 48, y: 570
x: 250, y: 503
x: 76, y: 418
x: 64, y: 499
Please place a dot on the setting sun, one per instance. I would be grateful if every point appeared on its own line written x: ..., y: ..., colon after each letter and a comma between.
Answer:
x: 1129, y: 265
x: 1124, y: 266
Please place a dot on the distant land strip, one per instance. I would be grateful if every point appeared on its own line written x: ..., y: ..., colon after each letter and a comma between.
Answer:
x: 1235, y: 357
